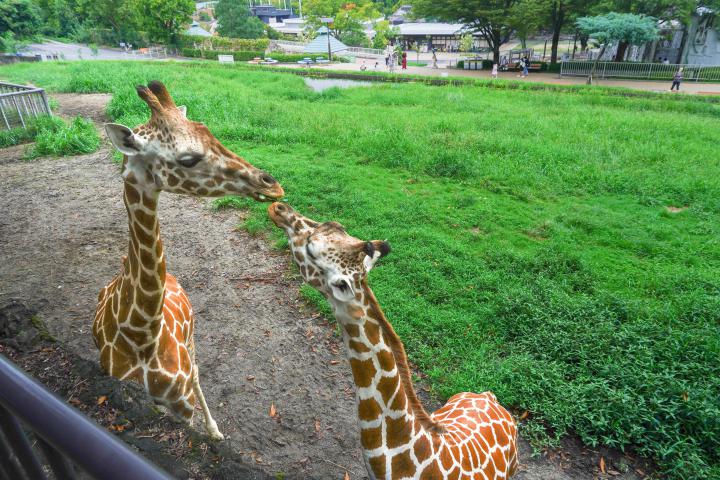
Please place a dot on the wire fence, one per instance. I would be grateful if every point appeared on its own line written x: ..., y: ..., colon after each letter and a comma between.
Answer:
x: 19, y: 105
x: 642, y: 71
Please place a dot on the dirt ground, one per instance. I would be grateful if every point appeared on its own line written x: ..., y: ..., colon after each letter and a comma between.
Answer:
x: 62, y: 233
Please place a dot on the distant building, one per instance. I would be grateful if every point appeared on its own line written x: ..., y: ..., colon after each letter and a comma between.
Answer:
x: 444, y: 37
x: 289, y: 26
x: 270, y: 14
x: 401, y: 15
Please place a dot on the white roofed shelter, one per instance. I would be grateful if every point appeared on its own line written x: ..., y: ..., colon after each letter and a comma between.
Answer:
x: 325, y: 43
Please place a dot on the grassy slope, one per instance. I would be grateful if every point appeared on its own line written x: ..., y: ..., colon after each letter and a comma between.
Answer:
x: 533, y: 254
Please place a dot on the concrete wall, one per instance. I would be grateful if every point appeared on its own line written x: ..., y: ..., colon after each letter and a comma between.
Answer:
x: 703, y: 42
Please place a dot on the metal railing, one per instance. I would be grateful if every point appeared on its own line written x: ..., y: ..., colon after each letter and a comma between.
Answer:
x: 372, y: 52
x: 63, y: 435
x: 20, y: 104
x: 643, y: 71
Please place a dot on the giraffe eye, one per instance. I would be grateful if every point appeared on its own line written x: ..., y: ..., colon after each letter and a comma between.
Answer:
x: 189, y: 161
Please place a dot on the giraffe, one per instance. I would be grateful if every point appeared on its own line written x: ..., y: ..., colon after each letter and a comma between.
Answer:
x: 471, y: 437
x: 144, y: 321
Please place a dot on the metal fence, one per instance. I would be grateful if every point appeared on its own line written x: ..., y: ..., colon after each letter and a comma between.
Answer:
x: 644, y: 71
x: 368, y: 52
x: 20, y: 104
x: 61, y: 437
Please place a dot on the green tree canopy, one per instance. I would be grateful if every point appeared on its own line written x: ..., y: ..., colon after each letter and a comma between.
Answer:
x: 619, y: 27
x: 490, y: 18
x: 163, y: 19
x: 21, y: 17
x: 235, y: 20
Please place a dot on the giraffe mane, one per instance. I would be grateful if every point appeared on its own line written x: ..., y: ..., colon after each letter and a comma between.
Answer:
x: 398, y: 351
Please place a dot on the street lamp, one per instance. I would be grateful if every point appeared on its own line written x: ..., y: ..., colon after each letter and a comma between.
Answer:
x: 328, y: 20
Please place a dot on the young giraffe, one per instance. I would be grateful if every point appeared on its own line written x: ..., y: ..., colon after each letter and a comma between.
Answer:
x: 471, y: 437
x: 144, y: 321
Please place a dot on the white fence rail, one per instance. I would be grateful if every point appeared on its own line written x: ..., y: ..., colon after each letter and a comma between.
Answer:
x: 644, y: 71
x: 367, y: 52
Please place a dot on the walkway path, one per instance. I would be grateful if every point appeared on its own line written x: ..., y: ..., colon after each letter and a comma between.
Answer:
x: 551, y: 78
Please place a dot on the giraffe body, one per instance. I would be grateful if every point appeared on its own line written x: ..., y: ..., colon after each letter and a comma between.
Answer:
x: 471, y: 437
x: 144, y: 320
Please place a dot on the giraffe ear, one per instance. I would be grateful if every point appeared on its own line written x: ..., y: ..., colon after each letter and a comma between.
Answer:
x: 183, y: 110
x: 342, y: 289
x: 124, y: 139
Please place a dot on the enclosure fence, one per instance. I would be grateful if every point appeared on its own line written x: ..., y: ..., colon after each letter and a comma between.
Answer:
x: 20, y: 104
x: 641, y: 71
x: 61, y: 437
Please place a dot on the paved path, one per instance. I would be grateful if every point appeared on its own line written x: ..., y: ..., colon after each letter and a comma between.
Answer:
x: 552, y: 78
x: 76, y: 51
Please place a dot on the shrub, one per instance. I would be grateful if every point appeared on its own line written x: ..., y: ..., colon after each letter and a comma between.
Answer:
x: 16, y: 136
x: 213, y: 54
x: 223, y: 43
x: 55, y: 137
x: 295, y: 57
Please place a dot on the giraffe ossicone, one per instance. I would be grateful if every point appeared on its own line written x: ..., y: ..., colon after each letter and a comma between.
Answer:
x: 144, y: 321
x: 471, y: 437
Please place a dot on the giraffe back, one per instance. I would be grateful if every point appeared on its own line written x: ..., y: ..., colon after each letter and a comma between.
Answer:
x: 480, y: 439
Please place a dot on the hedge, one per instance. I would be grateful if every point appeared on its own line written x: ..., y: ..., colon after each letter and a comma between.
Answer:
x: 296, y: 57
x: 213, y: 54
x: 224, y: 43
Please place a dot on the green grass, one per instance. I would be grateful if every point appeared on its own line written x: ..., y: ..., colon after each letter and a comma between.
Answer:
x: 58, y: 138
x: 533, y: 253
x: 16, y: 136
x: 54, y: 136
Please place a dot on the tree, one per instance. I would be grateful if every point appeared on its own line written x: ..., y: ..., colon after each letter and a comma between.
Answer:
x: 466, y: 43
x: 235, y: 20
x: 347, y: 17
x: 664, y: 10
x: 163, y: 19
x: 21, y: 17
x: 490, y: 18
x: 526, y: 18
x: 617, y: 28
x: 59, y: 17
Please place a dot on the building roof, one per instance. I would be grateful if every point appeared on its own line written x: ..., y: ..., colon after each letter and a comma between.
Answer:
x: 431, y: 28
x: 197, y: 31
x: 320, y: 43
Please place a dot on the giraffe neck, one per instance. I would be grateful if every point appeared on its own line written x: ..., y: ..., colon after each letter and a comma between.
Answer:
x: 143, y: 281
x: 388, y: 408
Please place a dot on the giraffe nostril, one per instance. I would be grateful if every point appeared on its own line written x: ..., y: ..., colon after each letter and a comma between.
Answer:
x: 268, y: 179
x: 280, y: 207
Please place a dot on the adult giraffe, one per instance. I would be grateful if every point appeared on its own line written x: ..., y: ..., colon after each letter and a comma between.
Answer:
x: 144, y: 321
x: 471, y: 437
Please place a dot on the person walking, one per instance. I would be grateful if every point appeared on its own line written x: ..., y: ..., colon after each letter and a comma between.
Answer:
x: 434, y: 58
x: 677, y: 78
x: 404, y: 60
x: 494, y: 72
x: 525, y: 65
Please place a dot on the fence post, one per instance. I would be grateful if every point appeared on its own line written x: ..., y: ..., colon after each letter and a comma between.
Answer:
x: 649, y: 74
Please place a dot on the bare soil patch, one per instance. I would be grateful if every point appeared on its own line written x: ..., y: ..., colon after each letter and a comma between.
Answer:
x: 62, y: 234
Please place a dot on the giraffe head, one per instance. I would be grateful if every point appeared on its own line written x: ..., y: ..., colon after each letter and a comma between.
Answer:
x: 329, y: 259
x: 181, y: 156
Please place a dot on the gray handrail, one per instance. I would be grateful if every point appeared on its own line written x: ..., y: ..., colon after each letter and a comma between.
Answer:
x: 67, y: 431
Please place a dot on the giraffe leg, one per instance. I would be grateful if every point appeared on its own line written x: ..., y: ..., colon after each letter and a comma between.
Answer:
x: 210, y: 424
